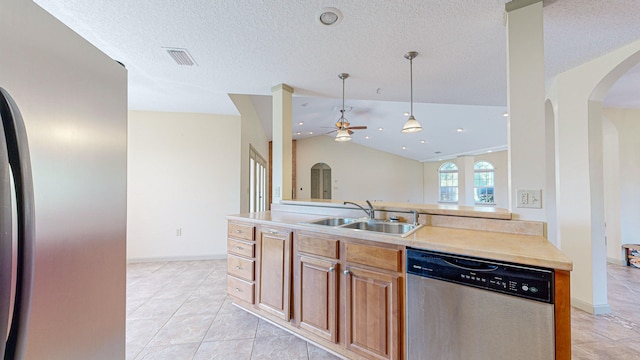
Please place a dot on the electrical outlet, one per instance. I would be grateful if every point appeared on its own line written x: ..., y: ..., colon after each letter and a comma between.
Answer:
x: 179, y: 232
x: 529, y: 199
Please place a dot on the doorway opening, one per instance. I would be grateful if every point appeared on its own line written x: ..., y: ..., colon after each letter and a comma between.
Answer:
x: 321, y: 181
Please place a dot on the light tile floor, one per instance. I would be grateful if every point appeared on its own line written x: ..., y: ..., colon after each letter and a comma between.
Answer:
x: 179, y: 310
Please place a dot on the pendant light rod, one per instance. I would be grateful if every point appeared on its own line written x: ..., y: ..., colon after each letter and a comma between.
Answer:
x: 342, y: 76
x: 412, y: 125
x: 411, y: 55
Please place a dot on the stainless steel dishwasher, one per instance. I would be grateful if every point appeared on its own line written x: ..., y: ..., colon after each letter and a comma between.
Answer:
x: 469, y: 308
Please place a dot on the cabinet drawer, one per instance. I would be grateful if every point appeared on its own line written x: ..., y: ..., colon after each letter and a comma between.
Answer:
x: 316, y: 245
x: 241, y: 231
x: 240, y: 289
x: 241, y: 248
x: 383, y: 258
x: 240, y: 267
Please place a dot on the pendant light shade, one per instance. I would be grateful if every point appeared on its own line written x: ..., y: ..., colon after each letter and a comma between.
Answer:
x: 412, y: 125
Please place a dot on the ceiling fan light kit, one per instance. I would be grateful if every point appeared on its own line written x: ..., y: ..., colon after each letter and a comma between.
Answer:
x: 412, y: 125
x: 343, y: 135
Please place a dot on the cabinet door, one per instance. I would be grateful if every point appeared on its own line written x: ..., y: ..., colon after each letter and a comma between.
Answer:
x: 316, y: 303
x: 274, y: 278
x: 372, y: 312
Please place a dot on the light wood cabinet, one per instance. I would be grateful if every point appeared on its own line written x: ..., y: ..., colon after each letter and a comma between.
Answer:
x: 372, y: 316
x: 349, y: 293
x: 274, y: 271
x: 241, y: 261
x: 316, y: 299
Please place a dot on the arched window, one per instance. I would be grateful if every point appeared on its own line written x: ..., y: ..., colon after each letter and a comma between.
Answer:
x: 483, y: 182
x: 448, y: 174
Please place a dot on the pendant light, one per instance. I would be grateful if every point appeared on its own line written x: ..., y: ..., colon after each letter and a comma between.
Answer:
x: 412, y: 125
x: 343, y: 132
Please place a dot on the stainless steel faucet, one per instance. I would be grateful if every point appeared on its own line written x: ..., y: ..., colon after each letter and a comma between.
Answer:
x: 415, y: 217
x: 371, y: 211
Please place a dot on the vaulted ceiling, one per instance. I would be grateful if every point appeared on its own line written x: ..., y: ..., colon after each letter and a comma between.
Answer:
x: 248, y: 46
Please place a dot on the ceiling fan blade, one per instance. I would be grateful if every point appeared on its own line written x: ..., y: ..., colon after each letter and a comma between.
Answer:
x: 350, y: 132
x: 357, y: 127
x: 332, y: 131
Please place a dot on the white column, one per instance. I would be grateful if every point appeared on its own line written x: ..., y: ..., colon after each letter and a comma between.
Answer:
x: 526, y: 103
x: 465, y: 179
x: 282, y: 155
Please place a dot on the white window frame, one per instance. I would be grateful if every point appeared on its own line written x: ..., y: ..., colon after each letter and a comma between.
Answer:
x: 488, y: 171
x: 257, y: 181
x: 454, y: 176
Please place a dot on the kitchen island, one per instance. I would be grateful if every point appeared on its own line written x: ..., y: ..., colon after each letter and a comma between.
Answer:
x: 344, y: 289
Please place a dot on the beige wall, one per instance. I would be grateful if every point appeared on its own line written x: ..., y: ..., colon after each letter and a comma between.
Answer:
x: 499, y: 161
x: 622, y: 171
x: 359, y: 172
x: 184, y: 173
x: 252, y: 134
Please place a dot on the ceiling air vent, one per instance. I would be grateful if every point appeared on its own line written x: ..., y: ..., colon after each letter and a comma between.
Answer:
x: 181, y: 56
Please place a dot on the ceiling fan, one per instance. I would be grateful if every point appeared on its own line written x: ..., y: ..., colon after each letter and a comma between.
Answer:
x: 343, y: 127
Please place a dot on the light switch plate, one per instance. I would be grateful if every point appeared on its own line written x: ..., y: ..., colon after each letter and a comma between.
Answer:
x: 529, y: 199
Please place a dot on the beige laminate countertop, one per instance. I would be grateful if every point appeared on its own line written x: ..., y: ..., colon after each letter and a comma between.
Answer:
x: 487, y: 212
x: 520, y: 249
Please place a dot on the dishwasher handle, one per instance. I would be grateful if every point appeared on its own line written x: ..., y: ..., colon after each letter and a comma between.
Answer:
x: 471, y: 265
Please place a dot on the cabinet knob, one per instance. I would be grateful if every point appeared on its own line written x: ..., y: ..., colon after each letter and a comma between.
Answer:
x: 331, y: 269
x: 239, y: 248
x: 346, y: 272
x: 239, y: 267
x: 238, y: 290
x: 273, y: 232
x: 238, y: 231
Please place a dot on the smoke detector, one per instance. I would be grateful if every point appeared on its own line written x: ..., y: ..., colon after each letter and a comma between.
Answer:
x: 329, y: 16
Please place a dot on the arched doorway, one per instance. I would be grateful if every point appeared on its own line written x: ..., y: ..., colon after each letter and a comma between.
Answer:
x: 321, y: 181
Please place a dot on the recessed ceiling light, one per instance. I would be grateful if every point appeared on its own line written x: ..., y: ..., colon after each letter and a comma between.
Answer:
x: 310, y: 132
x: 490, y: 151
x: 300, y: 123
x: 329, y: 16
x: 298, y: 133
x: 459, y: 129
x: 406, y: 114
x: 505, y: 114
x: 404, y: 148
x: 366, y: 137
x: 380, y: 129
x: 422, y: 141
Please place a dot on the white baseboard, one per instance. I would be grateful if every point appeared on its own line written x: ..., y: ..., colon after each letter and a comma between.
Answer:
x: 178, y: 258
x: 590, y: 308
x: 616, y: 261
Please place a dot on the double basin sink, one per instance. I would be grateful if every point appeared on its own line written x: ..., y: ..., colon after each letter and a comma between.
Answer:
x: 380, y: 226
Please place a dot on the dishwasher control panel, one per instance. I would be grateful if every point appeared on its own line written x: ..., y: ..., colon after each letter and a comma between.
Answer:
x: 519, y: 280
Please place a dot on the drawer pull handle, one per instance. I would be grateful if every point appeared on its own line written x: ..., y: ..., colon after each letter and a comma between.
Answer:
x: 273, y: 232
x: 238, y: 290
x: 239, y: 248
x: 239, y: 268
x: 331, y: 269
x: 238, y: 231
x: 346, y: 272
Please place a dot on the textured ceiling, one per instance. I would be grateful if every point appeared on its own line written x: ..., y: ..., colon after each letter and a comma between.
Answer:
x: 248, y: 46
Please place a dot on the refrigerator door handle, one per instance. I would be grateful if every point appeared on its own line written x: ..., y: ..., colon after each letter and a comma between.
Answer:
x: 6, y: 241
x: 19, y: 161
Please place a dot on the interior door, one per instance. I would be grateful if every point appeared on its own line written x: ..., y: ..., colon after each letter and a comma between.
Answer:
x: 326, y: 183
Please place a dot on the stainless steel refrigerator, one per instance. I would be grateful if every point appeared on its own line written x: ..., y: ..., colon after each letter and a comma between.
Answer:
x: 63, y: 180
